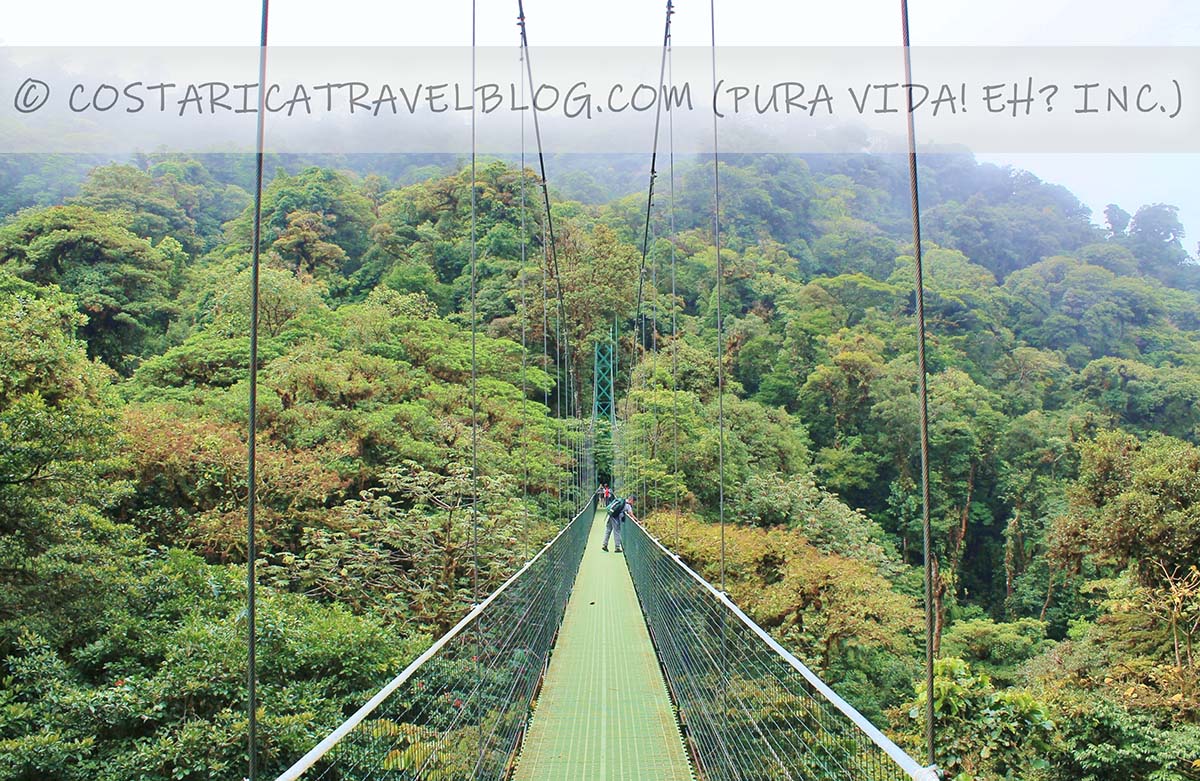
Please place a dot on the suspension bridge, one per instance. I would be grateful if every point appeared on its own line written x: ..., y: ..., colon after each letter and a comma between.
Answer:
x: 592, y: 665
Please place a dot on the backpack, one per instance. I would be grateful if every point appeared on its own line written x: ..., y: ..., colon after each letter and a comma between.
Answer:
x: 616, y: 506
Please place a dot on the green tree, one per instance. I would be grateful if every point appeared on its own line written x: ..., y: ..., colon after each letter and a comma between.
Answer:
x: 1118, y: 219
x: 336, y: 196
x: 57, y: 432
x: 1156, y: 237
x: 997, y: 649
x: 983, y: 733
x: 151, y: 205
x: 120, y: 281
x: 302, y: 244
x: 1135, y: 503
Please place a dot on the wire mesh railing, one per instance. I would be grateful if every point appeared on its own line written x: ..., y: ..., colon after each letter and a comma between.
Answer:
x: 460, y: 709
x: 750, y: 710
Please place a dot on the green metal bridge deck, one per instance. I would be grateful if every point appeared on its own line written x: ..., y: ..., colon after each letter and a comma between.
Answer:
x: 604, y: 712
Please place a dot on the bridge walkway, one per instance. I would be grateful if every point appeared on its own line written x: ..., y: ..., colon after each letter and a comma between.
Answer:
x: 603, y: 713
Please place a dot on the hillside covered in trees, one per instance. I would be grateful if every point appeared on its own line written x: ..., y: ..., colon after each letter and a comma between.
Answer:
x: 1065, y: 419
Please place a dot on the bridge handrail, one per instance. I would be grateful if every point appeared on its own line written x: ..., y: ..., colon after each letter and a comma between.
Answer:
x: 305, y: 763
x: 915, y: 770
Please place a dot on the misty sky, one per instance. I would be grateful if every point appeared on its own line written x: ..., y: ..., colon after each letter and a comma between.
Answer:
x: 1128, y: 179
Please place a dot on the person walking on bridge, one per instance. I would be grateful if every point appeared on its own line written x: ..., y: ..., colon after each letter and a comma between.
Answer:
x: 618, y: 510
x: 603, y: 496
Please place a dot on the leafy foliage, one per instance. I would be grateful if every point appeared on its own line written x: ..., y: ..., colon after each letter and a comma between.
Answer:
x: 121, y: 281
x: 984, y: 733
x: 1064, y: 386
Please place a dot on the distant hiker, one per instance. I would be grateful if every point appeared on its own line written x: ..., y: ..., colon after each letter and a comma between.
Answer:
x: 618, y: 510
x: 603, y: 495
x: 597, y: 496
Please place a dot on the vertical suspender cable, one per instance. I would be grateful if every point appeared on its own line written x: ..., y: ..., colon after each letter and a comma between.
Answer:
x: 562, y: 404
x: 474, y: 364
x: 643, y: 449
x: 251, y: 449
x: 618, y: 462
x: 524, y: 342
x: 652, y: 435
x: 720, y: 290
x: 571, y: 426
x: 720, y: 296
x: 571, y: 441
x: 475, y: 393
x: 545, y: 320
x: 639, y: 322
x: 720, y: 366
x: 922, y: 391
x: 558, y: 378
x: 561, y: 326
x: 674, y: 324
x: 537, y: 133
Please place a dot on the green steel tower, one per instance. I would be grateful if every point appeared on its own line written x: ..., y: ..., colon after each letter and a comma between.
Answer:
x: 602, y: 385
x: 604, y: 408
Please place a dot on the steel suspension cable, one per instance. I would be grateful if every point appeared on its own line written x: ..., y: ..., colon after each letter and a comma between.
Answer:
x: 639, y: 320
x: 251, y: 445
x: 474, y: 357
x: 537, y: 133
x: 475, y: 386
x: 558, y: 396
x: 922, y: 390
x: 654, y: 370
x: 545, y: 322
x: 720, y: 299
x: 644, y: 447
x: 674, y: 324
x: 563, y: 330
x: 546, y: 325
x: 524, y: 339
x: 618, y: 458
x: 720, y: 357
x: 662, y: 69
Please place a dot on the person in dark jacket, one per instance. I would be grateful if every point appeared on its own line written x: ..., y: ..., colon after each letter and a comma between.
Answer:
x: 621, y: 509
